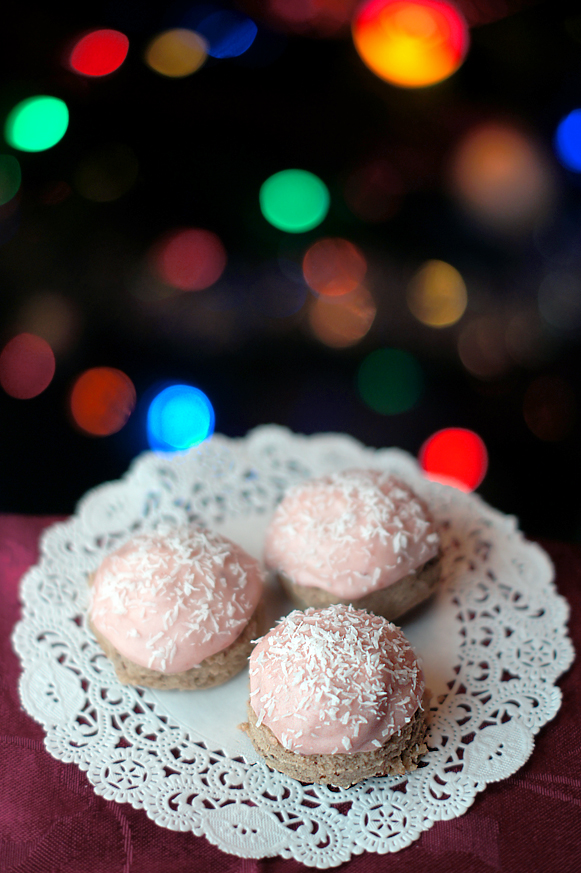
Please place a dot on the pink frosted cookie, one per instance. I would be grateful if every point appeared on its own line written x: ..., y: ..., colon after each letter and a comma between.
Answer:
x: 176, y: 608
x: 336, y: 697
x: 359, y: 536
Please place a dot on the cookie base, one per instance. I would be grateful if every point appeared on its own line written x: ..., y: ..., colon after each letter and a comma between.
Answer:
x: 212, y: 671
x: 390, y: 602
x: 399, y: 755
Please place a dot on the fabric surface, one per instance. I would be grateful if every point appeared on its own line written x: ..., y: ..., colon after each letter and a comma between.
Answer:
x: 51, y: 821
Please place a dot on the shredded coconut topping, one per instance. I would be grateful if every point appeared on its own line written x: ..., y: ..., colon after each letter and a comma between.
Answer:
x: 350, y: 533
x: 171, y: 597
x: 335, y: 678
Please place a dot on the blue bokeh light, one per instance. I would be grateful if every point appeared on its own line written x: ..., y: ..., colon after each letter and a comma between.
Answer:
x: 568, y: 141
x: 228, y: 34
x: 178, y: 418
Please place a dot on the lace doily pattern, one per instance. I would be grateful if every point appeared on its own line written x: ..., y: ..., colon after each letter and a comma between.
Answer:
x: 509, y: 646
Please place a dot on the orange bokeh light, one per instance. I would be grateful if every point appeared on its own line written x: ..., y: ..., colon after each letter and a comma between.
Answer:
x: 334, y: 267
x: 102, y: 400
x: 340, y: 322
x: 455, y: 456
x: 27, y: 366
x: 482, y: 348
x: 501, y: 176
x: 189, y: 259
x: 411, y: 43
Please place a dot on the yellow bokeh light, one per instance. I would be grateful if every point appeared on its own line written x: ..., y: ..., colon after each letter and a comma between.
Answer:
x: 411, y: 43
x: 437, y: 294
x: 340, y: 322
x: 176, y: 53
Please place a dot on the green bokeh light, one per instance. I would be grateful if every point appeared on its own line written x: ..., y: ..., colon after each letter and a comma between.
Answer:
x: 294, y: 200
x: 390, y: 381
x: 36, y: 124
x: 10, y: 178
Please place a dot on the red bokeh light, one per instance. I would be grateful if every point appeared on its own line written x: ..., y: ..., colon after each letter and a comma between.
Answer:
x: 190, y: 259
x: 315, y: 18
x: 102, y: 400
x: 455, y: 456
x: 27, y: 366
x: 99, y: 53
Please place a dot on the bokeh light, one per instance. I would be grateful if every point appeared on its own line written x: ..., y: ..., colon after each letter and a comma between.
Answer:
x: 482, y: 348
x: 179, y: 417
x: 99, y: 53
x: 27, y: 366
x: 314, y: 18
x: 107, y: 173
x: 176, y: 53
x: 294, y: 200
x: 189, y: 259
x: 527, y: 340
x: 436, y: 295
x: 10, y: 178
x: 559, y: 299
x: 374, y: 191
x: 101, y: 401
x: 51, y: 316
x: 340, y: 322
x: 568, y: 141
x: 228, y: 33
x: 549, y: 408
x: 500, y: 176
x: 557, y: 237
x: 455, y: 456
x: 37, y: 123
x: 334, y: 266
x: 411, y: 43
x: 390, y: 381
x: 289, y: 267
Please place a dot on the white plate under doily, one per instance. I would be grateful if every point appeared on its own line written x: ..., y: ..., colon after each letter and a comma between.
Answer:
x: 493, y: 643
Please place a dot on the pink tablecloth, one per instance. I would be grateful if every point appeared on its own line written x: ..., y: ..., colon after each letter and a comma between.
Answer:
x: 52, y: 822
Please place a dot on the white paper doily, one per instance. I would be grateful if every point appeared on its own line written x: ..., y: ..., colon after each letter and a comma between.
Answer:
x: 493, y: 643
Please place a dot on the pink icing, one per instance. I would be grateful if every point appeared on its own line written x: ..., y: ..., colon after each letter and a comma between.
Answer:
x: 171, y: 597
x: 334, y: 680
x: 350, y: 533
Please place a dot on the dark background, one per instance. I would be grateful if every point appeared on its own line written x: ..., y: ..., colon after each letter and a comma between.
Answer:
x: 204, y: 145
